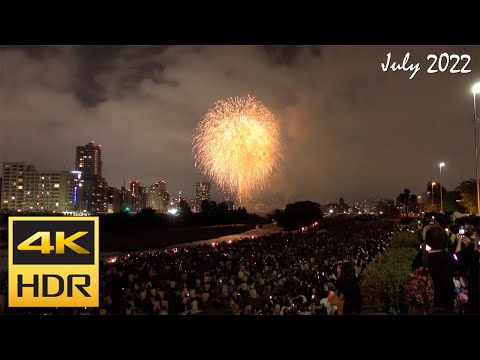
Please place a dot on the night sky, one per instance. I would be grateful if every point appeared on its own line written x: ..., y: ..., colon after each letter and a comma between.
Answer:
x: 348, y: 128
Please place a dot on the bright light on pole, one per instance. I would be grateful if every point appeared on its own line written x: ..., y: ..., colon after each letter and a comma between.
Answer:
x: 442, y: 164
x: 433, y: 184
x: 476, y: 88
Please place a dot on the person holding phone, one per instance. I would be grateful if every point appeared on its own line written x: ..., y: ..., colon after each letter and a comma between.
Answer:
x: 440, y: 264
x: 469, y: 258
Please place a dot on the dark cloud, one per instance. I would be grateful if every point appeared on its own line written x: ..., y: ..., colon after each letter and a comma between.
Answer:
x: 289, y: 54
x: 347, y: 127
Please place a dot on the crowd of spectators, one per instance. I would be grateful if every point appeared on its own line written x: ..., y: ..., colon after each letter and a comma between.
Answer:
x: 314, y: 271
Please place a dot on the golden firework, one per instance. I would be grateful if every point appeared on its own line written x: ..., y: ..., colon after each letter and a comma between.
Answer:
x: 237, y: 144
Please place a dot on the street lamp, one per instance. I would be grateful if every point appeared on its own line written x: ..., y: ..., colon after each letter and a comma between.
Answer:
x: 475, y: 91
x: 442, y: 164
x: 433, y: 184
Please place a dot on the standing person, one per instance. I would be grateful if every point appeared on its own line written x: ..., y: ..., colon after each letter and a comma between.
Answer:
x: 440, y: 265
x: 348, y: 286
x: 469, y: 258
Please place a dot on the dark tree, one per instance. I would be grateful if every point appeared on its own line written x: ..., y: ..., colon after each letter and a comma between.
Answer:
x: 184, y: 209
x: 208, y: 208
x: 296, y: 215
x: 407, y: 200
x: 468, y: 192
x: 452, y: 201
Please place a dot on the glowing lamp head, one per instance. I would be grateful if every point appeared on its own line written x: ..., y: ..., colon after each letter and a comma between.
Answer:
x: 434, y: 183
x: 476, y: 88
x: 442, y: 164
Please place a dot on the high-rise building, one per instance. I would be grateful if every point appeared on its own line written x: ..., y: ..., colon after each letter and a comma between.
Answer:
x: 88, y: 159
x: 50, y: 191
x: 153, y: 196
x: 27, y: 189
x: 136, y: 196
x: 126, y: 199
x: 114, y: 200
x: 202, y: 192
x: 13, y: 183
x: 161, y: 187
x: 78, y: 187
x: 147, y: 197
x: 94, y: 195
x: 66, y: 192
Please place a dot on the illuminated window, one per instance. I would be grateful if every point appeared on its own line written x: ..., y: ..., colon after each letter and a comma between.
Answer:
x: 56, y: 204
x: 13, y: 197
x: 56, y: 185
x: 20, y: 187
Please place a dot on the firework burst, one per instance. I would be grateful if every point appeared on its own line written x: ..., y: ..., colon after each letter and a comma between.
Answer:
x: 237, y: 144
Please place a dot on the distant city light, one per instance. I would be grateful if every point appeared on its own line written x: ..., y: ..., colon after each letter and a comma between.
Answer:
x: 173, y: 211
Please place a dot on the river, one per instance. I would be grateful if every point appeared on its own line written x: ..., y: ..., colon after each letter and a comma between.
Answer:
x: 267, y: 229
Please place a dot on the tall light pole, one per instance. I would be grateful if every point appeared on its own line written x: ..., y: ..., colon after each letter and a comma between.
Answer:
x: 442, y: 164
x: 476, y: 90
x: 433, y: 184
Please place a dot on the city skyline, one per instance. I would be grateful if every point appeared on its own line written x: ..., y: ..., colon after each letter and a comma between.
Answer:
x: 143, y: 102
